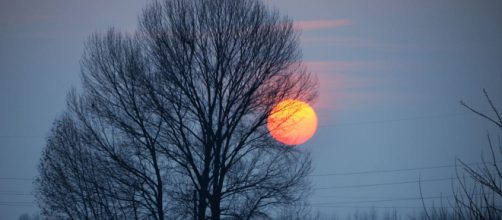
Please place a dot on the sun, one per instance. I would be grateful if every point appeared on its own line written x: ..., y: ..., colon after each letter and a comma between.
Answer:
x: 292, y: 122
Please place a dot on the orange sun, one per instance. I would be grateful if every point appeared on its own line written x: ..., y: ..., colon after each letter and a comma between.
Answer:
x: 292, y: 122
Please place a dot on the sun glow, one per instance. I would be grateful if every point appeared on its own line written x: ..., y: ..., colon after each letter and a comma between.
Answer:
x: 292, y: 122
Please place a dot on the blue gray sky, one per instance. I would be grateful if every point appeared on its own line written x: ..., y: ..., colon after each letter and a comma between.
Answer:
x: 391, y: 75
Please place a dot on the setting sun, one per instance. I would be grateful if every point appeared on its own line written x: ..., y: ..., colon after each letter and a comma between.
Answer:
x: 292, y: 122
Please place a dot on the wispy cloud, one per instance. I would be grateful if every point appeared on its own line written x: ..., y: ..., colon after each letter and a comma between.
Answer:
x: 322, y: 24
x: 337, y: 66
x: 333, y: 81
x: 353, y: 42
x: 348, y: 85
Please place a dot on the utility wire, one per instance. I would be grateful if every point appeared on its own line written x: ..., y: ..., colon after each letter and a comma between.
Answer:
x: 387, y: 200
x: 395, y: 170
x: 15, y: 194
x: 21, y: 136
x: 413, y: 118
x: 383, y: 184
x: 383, y: 171
x: 23, y: 204
x: 17, y: 178
x: 378, y: 207
x: 15, y: 205
x: 329, y: 174
x: 387, y: 183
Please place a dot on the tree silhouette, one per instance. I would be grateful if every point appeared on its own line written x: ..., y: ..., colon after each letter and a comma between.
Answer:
x: 483, y: 198
x: 477, y: 190
x: 173, y: 117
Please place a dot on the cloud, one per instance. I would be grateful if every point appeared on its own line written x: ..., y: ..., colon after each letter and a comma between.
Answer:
x: 348, y: 85
x: 322, y: 24
x: 335, y: 82
x: 329, y: 67
x: 354, y: 42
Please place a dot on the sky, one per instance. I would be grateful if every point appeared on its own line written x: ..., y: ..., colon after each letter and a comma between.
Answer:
x: 391, y: 75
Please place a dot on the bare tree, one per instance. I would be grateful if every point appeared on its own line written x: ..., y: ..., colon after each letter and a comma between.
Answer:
x: 176, y: 114
x: 220, y: 67
x: 477, y: 189
x: 483, y: 198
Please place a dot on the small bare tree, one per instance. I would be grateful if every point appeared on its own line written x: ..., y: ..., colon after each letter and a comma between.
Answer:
x: 477, y: 190
x: 483, y: 198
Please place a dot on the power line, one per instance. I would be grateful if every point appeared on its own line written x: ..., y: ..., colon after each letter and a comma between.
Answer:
x: 328, y: 174
x: 384, y: 200
x: 22, y: 204
x: 395, y: 199
x: 389, y: 183
x: 15, y: 205
x: 18, y: 203
x: 446, y: 115
x: 367, y: 197
x: 17, y: 178
x: 21, y: 136
x: 378, y: 207
x: 383, y: 184
x: 15, y: 194
x: 394, y: 170
x: 383, y: 171
x: 351, y: 197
